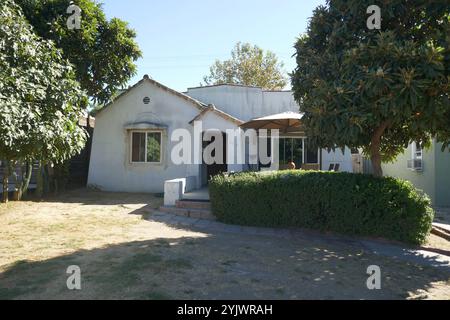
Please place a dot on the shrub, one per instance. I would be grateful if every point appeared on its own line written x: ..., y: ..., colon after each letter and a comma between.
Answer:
x: 346, y: 203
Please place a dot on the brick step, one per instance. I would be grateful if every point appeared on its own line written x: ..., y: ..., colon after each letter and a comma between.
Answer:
x: 192, y: 204
x: 191, y: 213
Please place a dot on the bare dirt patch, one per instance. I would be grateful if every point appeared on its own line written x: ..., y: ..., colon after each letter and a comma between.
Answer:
x: 124, y: 255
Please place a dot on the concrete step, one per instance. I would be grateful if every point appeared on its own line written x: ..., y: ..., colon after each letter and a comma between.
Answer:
x: 192, y: 204
x: 442, y: 226
x: 191, y: 213
x: 441, y: 230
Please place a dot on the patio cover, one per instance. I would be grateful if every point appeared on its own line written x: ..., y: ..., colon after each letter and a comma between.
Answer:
x: 285, y: 122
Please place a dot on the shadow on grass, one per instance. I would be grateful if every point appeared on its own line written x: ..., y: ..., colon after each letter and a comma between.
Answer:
x: 125, y: 271
x: 218, y: 266
x: 88, y: 196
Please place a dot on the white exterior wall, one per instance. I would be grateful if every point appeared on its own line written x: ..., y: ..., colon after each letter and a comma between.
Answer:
x: 212, y: 121
x: 110, y: 167
x: 344, y: 159
x: 245, y: 103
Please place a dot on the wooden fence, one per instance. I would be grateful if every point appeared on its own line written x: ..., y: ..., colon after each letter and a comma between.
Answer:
x: 78, y: 168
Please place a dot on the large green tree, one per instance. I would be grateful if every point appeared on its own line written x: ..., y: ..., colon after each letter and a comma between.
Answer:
x: 103, y: 52
x: 40, y: 99
x: 249, y: 65
x: 375, y: 89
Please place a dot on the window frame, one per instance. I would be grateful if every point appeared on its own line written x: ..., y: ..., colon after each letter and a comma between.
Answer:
x: 146, y: 132
x: 305, y: 150
x: 414, y: 151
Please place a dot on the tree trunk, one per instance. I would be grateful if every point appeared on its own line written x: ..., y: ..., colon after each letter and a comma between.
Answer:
x: 26, y: 179
x: 375, y: 157
x: 375, y: 149
x: 17, y: 194
x: 40, y: 181
x: 5, y: 182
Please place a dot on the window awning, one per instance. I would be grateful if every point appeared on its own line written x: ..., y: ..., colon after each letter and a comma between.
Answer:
x: 145, y: 125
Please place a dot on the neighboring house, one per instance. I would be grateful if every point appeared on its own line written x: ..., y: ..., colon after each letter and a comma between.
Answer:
x: 131, y: 148
x: 427, y: 169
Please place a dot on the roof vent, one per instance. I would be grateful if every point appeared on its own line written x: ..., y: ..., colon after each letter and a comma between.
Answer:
x: 146, y: 100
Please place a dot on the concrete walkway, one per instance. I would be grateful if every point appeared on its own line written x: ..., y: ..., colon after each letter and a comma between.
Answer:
x: 413, y: 255
x: 444, y: 226
x: 199, y: 194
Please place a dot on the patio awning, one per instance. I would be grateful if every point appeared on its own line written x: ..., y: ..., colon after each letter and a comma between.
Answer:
x: 286, y: 122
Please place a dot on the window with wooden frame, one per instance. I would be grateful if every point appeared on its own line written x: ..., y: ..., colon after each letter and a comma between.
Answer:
x: 146, y: 146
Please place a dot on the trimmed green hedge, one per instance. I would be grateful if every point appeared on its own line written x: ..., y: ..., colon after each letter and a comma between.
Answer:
x: 346, y: 203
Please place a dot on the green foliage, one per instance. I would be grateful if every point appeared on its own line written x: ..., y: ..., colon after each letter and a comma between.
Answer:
x: 40, y: 100
x: 346, y: 203
x: 375, y: 89
x: 61, y: 176
x: 249, y: 65
x: 103, y: 52
x: 153, y: 147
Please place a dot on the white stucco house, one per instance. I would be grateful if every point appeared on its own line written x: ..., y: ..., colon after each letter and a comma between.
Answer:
x: 131, y: 148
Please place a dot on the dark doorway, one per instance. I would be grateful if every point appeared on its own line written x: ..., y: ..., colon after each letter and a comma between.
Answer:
x: 216, y: 168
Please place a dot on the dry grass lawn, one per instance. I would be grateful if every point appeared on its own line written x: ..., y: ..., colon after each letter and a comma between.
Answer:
x: 123, y: 254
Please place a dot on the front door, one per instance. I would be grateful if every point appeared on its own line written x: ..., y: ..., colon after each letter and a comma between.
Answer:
x: 217, y: 168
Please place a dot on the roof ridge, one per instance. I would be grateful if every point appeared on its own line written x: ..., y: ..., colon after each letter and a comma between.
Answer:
x: 200, y: 105
x: 185, y: 96
x: 239, y: 85
x: 226, y: 84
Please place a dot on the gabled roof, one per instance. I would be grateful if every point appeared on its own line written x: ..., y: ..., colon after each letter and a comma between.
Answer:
x: 199, y: 105
x: 220, y: 113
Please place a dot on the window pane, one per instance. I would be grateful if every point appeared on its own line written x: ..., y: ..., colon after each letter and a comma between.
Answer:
x: 138, y: 147
x: 282, y: 151
x: 291, y: 149
x: 418, y: 150
x: 297, y: 152
x: 312, y: 155
x: 153, y: 147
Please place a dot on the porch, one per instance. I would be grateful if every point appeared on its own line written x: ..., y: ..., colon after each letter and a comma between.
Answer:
x: 181, y: 197
x: 201, y: 194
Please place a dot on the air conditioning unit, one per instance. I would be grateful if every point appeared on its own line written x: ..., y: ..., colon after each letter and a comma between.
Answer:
x: 415, y: 164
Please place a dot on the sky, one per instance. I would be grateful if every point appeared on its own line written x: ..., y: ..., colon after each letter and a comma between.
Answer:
x: 180, y: 40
